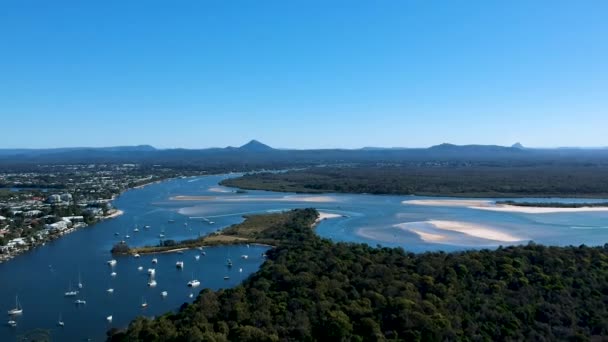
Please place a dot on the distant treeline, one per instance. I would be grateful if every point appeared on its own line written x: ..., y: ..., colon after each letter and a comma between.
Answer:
x: 465, y: 181
x: 554, y: 204
x: 311, y: 289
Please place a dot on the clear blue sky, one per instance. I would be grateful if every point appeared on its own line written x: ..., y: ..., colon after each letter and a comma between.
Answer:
x: 303, y: 73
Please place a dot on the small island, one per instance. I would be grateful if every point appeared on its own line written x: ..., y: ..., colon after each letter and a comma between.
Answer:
x: 263, y: 229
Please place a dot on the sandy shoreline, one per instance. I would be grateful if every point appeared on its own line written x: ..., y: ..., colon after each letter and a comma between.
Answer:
x: 491, y: 206
x: 114, y: 214
x: 326, y: 216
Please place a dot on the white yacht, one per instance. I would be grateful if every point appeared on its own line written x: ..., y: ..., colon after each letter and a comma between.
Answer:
x: 136, y: 229
x: 146, y: 227
x: 191, y: 295
x: 154, y: 261
x: 136, y: 255
x: 244, y: 256
x: 110, y: 290
x: 79, y: 281
x: 113, y: 274
x: 164, y: 294
x: 127, y: 236
x: 140, y: 268
x: 226, y: 277
x: 179, y: 264
x: 109, y: 319
x: 194, y: 283
x: 112, y: 262
x: 80, y: 301
x: 18, y: 310
x: 144, y: 304
x: 151, y: 271
x: 11, y: 323
x: 60, y: 321
x: 229, y: 263
x: 240, y: 270
x: 152, y: 283
x: 196, y: 257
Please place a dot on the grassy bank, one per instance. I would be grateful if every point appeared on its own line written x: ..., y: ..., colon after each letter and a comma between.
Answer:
x: 256, y: 229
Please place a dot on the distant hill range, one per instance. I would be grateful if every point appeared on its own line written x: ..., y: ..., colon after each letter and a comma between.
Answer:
x: 257, y: 154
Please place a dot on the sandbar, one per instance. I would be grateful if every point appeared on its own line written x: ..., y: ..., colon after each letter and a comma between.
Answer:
x: 192, y: 198
x: 475, y: 230
x: 537, y: 210
x: 449, y: 203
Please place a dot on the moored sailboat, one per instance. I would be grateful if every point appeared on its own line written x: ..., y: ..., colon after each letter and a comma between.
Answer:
x: 18, y: 309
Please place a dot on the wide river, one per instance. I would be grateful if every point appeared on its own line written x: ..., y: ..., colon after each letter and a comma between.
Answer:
x: 42, y: 276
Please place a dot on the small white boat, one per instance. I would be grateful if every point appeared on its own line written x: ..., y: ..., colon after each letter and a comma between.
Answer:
x: 136, y: 229
x: 185, y: 224
x: 163, y: 294
x: 247, y: 245
x: 71, y: 294
x: 240, y: 270
x: 191, y: 295
x: 144, y: 304
x: 226, y: 277
x: 154, y: 261
x: 18, y: 310
x: 109, y: 319
x: 127, y: 236
x: 112, y: 262
x: 197, y: 257
x: 244, y: 256
x: 60, y: 322
x: 152, y: 283
x: 179, y: 264
x: 211, y: 222
x: 151, y: 271
x: 116, y: 234
x: 11, y: 323
x: 161, y: 235
x: 146, y: 227
x: 79, y: 281
x: 113, y: 274
x: 229, y: 263
x: 140, y: 268
x: 136, y: 255
x: 80, y: 301
x: 110, y: 290
x: 203, y: 253
x: 194, y: 283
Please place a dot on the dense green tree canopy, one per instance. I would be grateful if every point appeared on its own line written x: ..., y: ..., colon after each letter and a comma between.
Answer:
x: 313, y: 289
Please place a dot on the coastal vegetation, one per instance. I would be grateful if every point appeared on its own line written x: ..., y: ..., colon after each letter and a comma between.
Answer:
x: 313, y: 289
x: 437, y: 180
x: 265, y: 229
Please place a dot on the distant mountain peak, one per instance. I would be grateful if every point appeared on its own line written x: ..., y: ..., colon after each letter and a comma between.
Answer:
x: 255, y: 145
x: 518, y: 145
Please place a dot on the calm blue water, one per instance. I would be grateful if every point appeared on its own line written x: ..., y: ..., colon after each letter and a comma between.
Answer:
x: 41, y: 277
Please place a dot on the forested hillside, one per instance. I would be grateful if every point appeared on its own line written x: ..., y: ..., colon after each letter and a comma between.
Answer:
x: 464, y: 181
x: 313, y: 289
